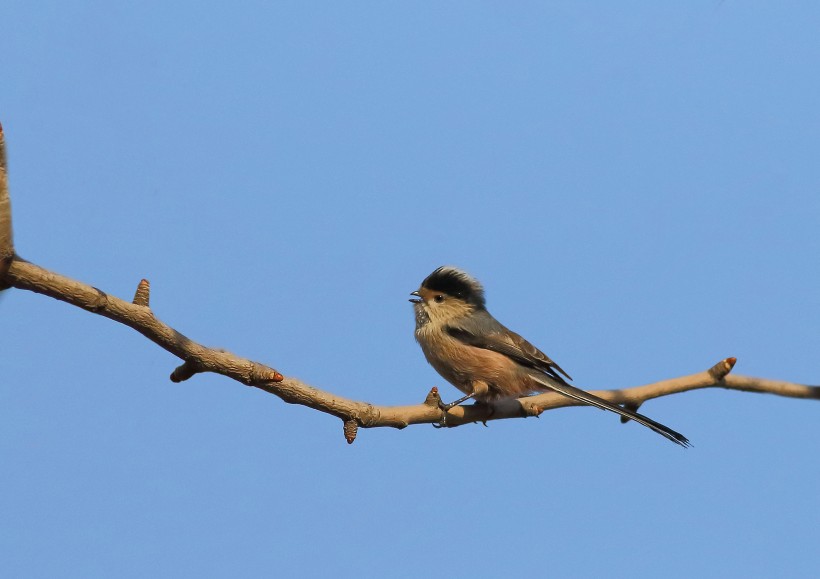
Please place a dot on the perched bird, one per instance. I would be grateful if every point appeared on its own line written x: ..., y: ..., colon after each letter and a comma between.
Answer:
x: 485, y: 360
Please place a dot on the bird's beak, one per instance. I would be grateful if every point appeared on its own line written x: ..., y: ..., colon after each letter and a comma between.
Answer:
x: 418, y: 296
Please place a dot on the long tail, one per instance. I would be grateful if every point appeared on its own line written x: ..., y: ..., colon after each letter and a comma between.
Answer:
x: 591, y: 399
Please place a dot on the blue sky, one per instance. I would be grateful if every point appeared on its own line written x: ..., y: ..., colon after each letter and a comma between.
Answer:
x: 635, y: 183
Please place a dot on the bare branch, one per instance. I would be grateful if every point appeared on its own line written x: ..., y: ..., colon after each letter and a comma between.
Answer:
x: 18, y: 273
x: 25, y: 275
x: 355, y: 414
x: 6, y: 238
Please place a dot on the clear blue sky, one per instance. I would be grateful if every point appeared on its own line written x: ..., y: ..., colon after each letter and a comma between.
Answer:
x: 636, y: 183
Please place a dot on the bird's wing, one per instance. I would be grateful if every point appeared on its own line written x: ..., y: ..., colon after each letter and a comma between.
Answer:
x: 484, y: 331
x: 481, y: 330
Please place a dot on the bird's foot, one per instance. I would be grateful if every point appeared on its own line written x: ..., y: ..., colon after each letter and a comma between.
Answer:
x: 445, y: 408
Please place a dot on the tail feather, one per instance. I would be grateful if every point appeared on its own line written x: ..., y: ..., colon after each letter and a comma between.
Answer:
x: 591, y: 399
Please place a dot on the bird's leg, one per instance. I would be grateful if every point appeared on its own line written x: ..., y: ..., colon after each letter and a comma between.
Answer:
x: 480, y: 389
x: 446, y: 407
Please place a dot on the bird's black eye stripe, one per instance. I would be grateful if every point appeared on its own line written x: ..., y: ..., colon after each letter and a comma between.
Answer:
x: 439, y: 298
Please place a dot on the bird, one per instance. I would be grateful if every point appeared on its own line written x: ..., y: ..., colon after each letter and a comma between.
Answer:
x: 486, y: 361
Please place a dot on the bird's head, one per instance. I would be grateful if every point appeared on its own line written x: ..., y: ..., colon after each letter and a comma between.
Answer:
x: 447, y: 293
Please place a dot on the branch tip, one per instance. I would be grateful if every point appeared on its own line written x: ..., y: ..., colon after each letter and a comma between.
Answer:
x: 350, y: 429
x: 142, y: 296
x: 185, y: 371
x: 722, y: 368
x: 260, y: 373
x: 433, y: 399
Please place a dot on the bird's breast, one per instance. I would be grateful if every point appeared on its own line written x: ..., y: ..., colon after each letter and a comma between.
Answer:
x: 462, y: 364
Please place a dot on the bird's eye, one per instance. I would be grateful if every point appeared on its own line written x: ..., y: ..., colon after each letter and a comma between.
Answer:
x: 439, y: 298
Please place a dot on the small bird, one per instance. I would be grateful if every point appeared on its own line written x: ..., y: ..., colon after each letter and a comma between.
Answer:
x: 485, y: 360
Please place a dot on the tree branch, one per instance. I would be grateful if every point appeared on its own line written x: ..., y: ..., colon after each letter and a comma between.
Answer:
x: 18, y: 273
x: 198, y: 358
x: 6, y: 239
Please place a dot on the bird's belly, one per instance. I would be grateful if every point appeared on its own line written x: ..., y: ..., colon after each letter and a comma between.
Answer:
x: 463, y: 365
